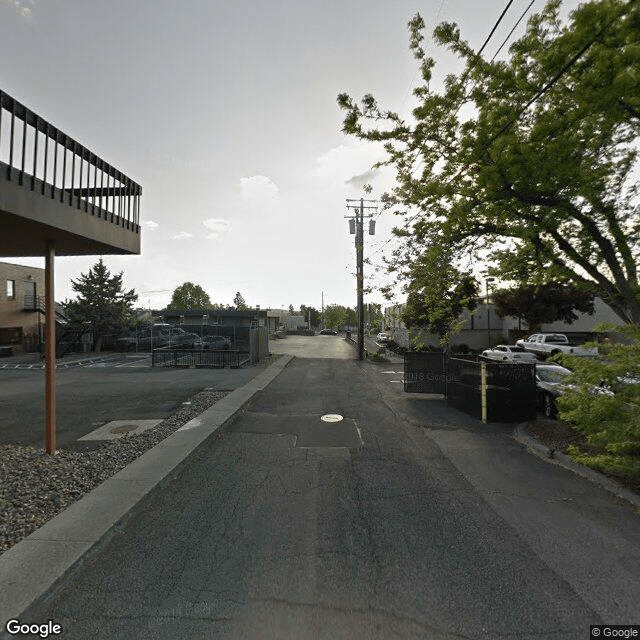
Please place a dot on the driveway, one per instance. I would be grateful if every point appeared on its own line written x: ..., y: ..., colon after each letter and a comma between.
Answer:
x: 315, y: 347
x: 406, y: 519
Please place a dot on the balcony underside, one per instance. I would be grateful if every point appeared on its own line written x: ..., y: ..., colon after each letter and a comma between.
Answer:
x: 29, y: 217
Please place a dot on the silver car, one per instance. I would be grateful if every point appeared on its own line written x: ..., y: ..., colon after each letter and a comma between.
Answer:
x: 509, y: 352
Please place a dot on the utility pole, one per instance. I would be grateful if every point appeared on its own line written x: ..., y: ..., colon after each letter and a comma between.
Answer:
x: 486, y: 284
x: 356, y: 226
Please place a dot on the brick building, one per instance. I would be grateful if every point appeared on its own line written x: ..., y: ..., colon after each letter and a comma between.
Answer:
x: 21, y: 306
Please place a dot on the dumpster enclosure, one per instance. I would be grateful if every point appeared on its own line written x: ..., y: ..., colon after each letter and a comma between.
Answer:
x: 488, y: 390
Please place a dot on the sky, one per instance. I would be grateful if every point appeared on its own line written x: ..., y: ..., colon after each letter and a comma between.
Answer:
x: 225, y: 112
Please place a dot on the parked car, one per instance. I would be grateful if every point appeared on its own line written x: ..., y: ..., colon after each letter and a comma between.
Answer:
x: 510, y: 352
x: 551, y: 382
x: 216, y: 343
x: 181, y: 338
x: 548, y: 344
x: 328, y: 332
x: 383, y: 337
x: 125, y: 343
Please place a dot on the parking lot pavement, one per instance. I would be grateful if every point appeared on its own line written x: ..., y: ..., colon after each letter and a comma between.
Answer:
x: 92, y: 395
x: 35, y: 361
x: 125, y: 361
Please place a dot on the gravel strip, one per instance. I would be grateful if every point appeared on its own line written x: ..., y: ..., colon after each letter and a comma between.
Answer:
x: 35, y: 486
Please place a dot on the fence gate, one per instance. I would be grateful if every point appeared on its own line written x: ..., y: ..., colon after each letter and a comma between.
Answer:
x: 425, y: 372
x: 488, y: 390
x: 511, y: 392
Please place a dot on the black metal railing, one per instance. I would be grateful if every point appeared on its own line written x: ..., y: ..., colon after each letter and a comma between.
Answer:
x: 33, y: 302
x: 199, y: 358
x: 40, y: 157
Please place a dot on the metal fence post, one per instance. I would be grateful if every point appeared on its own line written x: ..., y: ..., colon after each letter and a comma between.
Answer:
x: 483, y: 390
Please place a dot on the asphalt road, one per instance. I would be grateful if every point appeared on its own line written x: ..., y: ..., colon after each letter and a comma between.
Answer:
x: 88, y: 397
x: 314, y: 347
x: 407, y: 519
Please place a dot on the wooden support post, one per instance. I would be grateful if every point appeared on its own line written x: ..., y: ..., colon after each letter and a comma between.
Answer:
x: 50, y: 350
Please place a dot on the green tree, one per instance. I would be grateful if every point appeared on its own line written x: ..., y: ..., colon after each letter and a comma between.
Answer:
x: 538, y: 304
x: 238, y: 302
x: 611, y: 423
x: 337, y: 316
x: 374, y: 315
x: 189, y: 296
x: 437, y: 294
x: 292, y: 311
x: 102, y: 304
x: 527, y: 160
x: 310, y: 311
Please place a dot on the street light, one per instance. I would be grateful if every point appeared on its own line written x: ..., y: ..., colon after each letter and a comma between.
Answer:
x: 486, y: 285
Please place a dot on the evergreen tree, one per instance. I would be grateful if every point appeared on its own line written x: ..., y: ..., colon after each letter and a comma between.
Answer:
x: 102, y: 304
x: 238, y: 302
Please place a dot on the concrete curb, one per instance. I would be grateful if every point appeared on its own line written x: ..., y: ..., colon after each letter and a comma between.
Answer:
x: 38, y: 564
x: 562, y: 460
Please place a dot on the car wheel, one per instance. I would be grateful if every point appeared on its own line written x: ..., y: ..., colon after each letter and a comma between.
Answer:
x: 505, y: 358
x: 549, y: 406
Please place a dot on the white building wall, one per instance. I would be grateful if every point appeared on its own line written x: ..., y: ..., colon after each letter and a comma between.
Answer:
x: 483, y: 326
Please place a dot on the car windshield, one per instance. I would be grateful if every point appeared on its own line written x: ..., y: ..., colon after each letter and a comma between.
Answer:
x: 555, y: 374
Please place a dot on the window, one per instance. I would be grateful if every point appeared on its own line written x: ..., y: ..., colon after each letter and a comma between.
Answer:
x: 11, y: 289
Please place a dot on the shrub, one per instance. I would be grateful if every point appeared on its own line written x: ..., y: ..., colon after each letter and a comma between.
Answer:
x: 616, y: 465
x: 611, y: 423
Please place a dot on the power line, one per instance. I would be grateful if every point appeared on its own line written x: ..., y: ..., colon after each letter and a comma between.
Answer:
x: 495, y: 26
x: 524, y: 13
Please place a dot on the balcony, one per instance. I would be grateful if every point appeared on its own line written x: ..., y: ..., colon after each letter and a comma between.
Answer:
x: 53, y: 189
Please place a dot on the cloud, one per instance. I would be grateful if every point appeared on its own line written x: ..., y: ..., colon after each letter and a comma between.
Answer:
x: 258, y: 188
x: 347, y: 165
x: 361, y: 179
x: 151, y: 225
x: 183, y: 235
x: 216, y: 227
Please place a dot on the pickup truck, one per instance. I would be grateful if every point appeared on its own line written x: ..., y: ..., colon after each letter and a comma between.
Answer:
x: 548, y: 344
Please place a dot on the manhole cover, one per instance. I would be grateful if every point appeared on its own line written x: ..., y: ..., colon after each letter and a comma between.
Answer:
x: 125, y: 428
x: 331, y: 417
